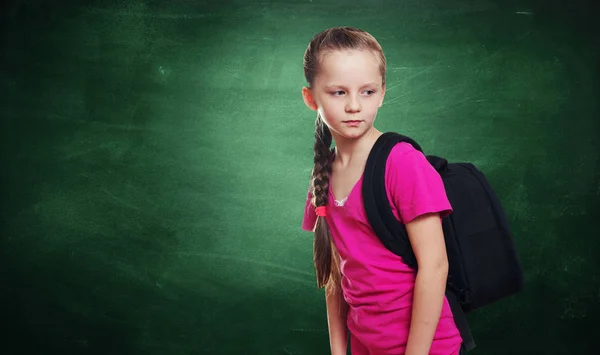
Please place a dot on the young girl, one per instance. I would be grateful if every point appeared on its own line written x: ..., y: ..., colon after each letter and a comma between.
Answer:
x: 386, y: 307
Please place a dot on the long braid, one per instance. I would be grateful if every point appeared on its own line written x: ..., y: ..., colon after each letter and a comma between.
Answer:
x: 325, y: 261
x: 322, y: 168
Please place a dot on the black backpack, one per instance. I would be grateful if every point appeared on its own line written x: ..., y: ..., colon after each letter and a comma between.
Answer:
x: 483, y: 263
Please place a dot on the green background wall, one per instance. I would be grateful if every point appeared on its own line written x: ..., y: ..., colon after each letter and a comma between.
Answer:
x: 155, y: 157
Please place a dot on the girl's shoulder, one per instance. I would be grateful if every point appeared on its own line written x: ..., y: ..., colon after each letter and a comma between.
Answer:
x: 405, y: 161
x: 403, y: 153
x: 413, y: 184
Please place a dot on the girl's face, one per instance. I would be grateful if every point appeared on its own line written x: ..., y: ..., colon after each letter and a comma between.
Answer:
x: 347, y: 92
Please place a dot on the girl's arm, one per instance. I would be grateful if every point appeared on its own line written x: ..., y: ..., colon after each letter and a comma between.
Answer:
x: 427, y: 240
x: 337, y: 309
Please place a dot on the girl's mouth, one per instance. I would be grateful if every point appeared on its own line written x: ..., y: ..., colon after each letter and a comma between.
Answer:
x: 352, y: 123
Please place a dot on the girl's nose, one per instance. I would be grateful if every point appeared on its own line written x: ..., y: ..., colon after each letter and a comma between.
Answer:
x: 353, y: 104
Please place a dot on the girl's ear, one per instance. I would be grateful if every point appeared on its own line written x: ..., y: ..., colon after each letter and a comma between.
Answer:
x: 309, y: 99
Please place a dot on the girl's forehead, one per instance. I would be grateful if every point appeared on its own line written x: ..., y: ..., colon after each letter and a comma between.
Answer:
x: 349, y: 66
x: 346, y: 57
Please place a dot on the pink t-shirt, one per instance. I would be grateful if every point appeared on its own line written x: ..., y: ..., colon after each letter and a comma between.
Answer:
x: 377, y: 284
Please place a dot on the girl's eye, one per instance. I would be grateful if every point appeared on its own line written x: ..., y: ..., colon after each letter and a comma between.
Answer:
x: 340, y: 92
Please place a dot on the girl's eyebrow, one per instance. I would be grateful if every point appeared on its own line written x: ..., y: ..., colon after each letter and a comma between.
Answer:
x: 342, y: 86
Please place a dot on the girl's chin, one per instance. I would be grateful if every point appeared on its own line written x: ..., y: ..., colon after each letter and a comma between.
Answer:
x: 349, y: 132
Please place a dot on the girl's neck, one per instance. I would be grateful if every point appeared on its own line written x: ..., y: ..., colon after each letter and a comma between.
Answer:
x: 353, y: 151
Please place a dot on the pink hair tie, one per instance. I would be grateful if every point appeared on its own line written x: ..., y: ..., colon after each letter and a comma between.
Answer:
x: 321, y: 211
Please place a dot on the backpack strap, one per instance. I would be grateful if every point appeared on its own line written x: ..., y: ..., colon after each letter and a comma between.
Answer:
x: 460, y: 319
x: 390, y: 231
x: 375, y: 200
